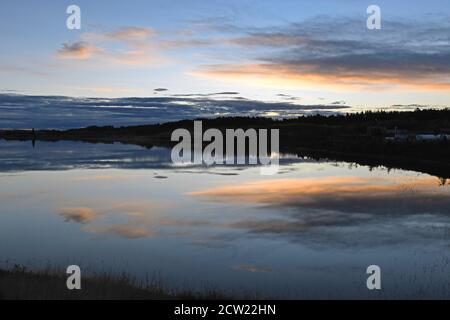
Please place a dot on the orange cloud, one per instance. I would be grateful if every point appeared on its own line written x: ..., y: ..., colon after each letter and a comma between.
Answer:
x: 133, y: 46
x: 282, y: 75
x: 126, y: 34
x: 132, y: 34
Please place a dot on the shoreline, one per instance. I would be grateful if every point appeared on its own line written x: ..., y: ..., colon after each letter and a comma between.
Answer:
x: 338, y: 138
x: 21, y: 283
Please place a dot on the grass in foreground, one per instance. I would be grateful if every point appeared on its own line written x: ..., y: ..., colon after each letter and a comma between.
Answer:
x: 19, y: 283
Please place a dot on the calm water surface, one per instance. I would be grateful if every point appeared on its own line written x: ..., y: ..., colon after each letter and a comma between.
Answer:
x: 309, y: 231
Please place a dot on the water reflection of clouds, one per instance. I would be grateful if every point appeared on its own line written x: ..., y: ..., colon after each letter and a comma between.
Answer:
x: 316, y: 207
x: 127, y: 220
x: 333, y: 204
x: 252, y: 268
x: 80, y: 215
x: 69, y: 155
x: 346, y: 194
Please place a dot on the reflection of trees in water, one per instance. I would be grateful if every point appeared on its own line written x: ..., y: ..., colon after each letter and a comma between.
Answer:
x: 33, y: 140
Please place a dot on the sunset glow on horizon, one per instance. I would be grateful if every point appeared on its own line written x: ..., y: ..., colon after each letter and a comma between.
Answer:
x: 295, y: 52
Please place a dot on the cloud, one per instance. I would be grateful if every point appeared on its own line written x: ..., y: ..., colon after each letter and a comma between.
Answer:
x: 136, y: 57
x: 288, y: 97
x: 77, y: 51
x: 414, y: 106
x: 183, y: 43
x: 80, y: 215
x: 224, y: 93
x: 131, y: 34
x: 338, y: 102
x: 70, y: 112
x: 267, y: 40
x: 110, y: 57
x: 333, y: 73
x: 339, y: 53
x: 133, y: 46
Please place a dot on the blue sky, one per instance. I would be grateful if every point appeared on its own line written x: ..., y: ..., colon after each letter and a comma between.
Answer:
x: 307, y: 52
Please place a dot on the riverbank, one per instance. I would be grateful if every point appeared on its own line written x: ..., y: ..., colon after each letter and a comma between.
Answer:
x: 362, y: 138
x: 20, y: 283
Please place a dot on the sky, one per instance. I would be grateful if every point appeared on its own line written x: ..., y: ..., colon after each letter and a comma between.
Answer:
x: 296, y: 52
